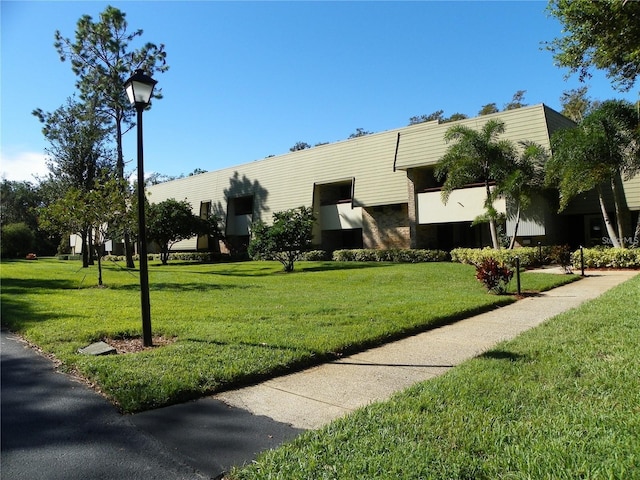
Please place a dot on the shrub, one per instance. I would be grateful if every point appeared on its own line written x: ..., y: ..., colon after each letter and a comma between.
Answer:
x: 405, y: 255
x: 316, y: 256
x: 493, y: 275
x: 561, y: 255
x: 607, y: 258
x: 285, y: 240
x: 529, y: 256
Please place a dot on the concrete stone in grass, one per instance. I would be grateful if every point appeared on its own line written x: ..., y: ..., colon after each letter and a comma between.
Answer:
x: 98, y: 348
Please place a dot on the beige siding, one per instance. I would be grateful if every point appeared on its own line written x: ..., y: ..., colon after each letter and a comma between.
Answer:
x: 287, y: 180
x: 632, y: 192
x: 424, y: 144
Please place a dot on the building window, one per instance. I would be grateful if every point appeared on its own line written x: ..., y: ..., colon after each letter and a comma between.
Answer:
x: 243, y: 205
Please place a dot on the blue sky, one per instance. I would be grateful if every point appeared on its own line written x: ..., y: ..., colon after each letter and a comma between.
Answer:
x: 250, y: 79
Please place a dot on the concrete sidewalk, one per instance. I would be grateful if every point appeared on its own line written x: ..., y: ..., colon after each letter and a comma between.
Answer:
x: 232, y: 428
x: 314, y: 397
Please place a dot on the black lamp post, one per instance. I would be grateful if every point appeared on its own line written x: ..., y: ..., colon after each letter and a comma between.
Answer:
x: 139, y: 89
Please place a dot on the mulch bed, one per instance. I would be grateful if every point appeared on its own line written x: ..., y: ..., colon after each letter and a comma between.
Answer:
x: 134, y: 344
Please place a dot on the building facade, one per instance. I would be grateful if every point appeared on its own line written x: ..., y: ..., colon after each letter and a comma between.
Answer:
x: 380, y: 191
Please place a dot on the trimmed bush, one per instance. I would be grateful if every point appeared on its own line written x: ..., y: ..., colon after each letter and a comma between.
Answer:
x: 316, y: 256
x: 607, y: 258
x: 396, y: 255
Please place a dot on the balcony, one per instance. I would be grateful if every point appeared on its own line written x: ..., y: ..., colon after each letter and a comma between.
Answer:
x: 464, y: 205
x: 340, y: 216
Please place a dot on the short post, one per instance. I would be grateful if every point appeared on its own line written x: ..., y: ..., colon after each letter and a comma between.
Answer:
x: 518, y: 274
x: 540, y: 253
x: 581, y: 261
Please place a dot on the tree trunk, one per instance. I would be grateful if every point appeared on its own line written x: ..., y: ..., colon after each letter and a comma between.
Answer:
x: 492, y: 221
x: 607, y: 221
x: 85, y: 249
x: 621, y: 212
x: 515, y: 229
x: 90, y: 249
x: 99, y: 254
x: 636, y: 233
x: 128, y: 247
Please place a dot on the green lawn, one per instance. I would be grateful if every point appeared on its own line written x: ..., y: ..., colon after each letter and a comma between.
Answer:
x: 232, y: 323
x: 561, y: 401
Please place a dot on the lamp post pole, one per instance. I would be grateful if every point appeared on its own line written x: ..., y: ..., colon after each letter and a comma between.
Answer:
x: 139, y: 89
x: 147, y: 340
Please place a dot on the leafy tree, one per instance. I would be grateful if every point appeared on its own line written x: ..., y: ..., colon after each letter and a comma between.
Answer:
x: 19, y: 202
x: 517, y: 101
x: 359, y: 133
x: 604, y: 35
x: 171, y: 221
x: 87, y: 212
x: 102, y: 60
x: 488, y: 109
x: 17, y: 240
x: 601, y: 150
x: 76, y: 133
x: 197, y: 171
x: 299, y: 146
x: 524, y: 177
x: 286, y: 239
x: 476, y: 156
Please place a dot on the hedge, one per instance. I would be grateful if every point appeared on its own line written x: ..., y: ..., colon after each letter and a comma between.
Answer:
x: 396, y: 255
x: 607, y: 258
x: 529, y: 256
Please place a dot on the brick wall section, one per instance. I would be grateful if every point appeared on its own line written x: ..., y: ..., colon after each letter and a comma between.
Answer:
x: 386, y: 227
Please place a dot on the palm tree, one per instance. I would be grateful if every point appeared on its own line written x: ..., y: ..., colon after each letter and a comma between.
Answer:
x: 524, y: 178
x: 600, y: 151
x: 476, y: 156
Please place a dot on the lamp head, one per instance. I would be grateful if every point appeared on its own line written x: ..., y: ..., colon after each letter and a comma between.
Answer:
x: 139, y: 88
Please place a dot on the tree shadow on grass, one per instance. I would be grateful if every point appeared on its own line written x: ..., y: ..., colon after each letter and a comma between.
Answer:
x: 18, y: 286
x: 331, y: 266
x: 503, y: 355
x: 183, y: 287
x: 18, y: 312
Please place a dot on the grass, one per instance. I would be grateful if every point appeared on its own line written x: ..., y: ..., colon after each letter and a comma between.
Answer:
x: 561, y: 401
x: 232, y: 323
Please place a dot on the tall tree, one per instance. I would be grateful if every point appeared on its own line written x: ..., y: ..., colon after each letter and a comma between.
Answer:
x: 488, y: 109
x: 437, y: 115
x: 299, y: 146
x: 517, y: 101
x: 77, y: 151
x: 603, y: 34
x: 598, y: 153
x: 360, y: 132
x: 476, y: 156
x: 102, y: 59
x: 576, y: 104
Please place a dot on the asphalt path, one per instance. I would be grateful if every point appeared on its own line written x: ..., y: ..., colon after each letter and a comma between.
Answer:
x: 54, y: 427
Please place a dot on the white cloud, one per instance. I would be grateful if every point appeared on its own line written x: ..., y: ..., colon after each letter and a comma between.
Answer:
x: 23, y: 166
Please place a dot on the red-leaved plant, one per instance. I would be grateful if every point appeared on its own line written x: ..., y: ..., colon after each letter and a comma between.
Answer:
x: 493, y: 275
